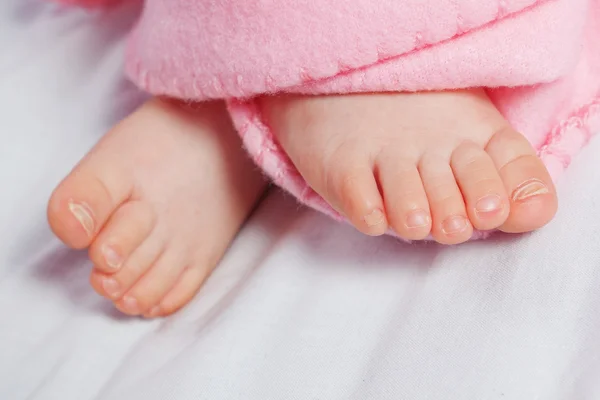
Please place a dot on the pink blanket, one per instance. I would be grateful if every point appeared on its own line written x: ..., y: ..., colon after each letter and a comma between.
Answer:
x: 539, y: 59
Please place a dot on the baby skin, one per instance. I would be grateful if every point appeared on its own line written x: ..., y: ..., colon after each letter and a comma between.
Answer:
x: 429, y: 163
x: 157, y: 201
x: 161, y: 196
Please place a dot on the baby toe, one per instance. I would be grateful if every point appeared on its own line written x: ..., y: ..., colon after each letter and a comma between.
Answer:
x: 533, y: 200
x: 87, y: 197
x: 481, y: 186
x: 450, y: 224
x: 149, y: 290
x: 113, y: 286
x: 405, y: 199
x: 186, y: 287
x: 354, y: 191
x: 126, y: 229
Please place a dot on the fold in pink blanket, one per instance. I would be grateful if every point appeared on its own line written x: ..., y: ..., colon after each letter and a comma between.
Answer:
x: 539, y: 60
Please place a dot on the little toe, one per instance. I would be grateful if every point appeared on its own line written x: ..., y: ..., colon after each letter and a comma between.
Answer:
x: 354, y: 191
x: 186, y: 287
x: 405, y: 199
x: 533, y: 200
x: 126, y: 229
x: 481, y: 186
x: 308, y: 127
x: 450, y: 224
x: 150, y: 289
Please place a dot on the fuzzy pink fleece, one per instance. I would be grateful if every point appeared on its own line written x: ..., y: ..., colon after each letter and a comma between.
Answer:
x: 539, y: 59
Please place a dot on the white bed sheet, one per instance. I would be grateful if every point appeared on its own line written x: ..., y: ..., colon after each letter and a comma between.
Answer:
x: 301, y: 308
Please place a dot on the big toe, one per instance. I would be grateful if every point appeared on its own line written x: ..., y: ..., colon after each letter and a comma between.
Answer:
x: 86, y: 198
x: 533, y: 200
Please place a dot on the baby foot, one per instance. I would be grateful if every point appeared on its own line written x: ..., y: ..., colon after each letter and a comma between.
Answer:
x: 436, y: 162
x: 157, y: 201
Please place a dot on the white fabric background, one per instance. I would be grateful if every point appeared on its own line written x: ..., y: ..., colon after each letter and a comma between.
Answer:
x: 301, y: 308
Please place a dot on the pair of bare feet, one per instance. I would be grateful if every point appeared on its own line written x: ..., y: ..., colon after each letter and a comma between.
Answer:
x: 161, y: 196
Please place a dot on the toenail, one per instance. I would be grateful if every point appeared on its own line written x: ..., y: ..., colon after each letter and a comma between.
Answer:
x: 130, y: 304
x: 455, y: 224
x: 375, y: 218
x: 111, y: 287
x: 530, y: 188
x: 112, y: 258
x: 417, y: 219
x: 154, y: 311
x: 83, y: 214
x: 488, y: 204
